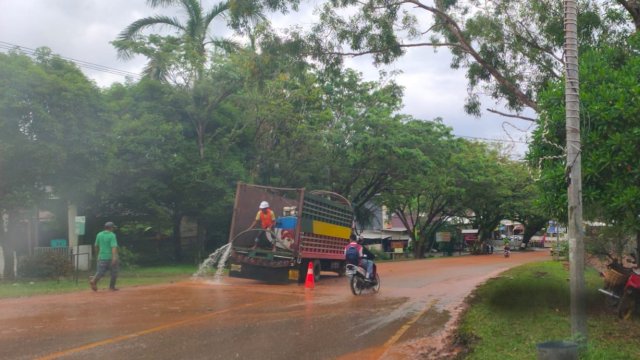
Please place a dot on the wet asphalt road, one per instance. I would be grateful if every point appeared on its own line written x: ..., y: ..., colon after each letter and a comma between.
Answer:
x: 241, y: 319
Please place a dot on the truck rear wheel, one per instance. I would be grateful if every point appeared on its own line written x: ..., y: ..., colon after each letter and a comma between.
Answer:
x: 342, y: 271
x: 317, y: 268
x: 302, y: 272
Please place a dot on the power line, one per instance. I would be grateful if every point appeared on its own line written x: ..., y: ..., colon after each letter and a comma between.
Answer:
x: 494, y: 140
x: 81, y: 63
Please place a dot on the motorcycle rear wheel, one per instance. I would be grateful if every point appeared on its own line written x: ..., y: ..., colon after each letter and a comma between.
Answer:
x: 627, y: 306
x: 356, y: 285
x: 376, y: 287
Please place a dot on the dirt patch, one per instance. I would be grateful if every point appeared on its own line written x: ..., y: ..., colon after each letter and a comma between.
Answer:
x: 432, y: 337
x: 428, y: 324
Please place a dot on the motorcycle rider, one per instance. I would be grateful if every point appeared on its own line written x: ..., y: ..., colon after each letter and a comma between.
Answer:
x: 507, y: 247
x: 357, y: 254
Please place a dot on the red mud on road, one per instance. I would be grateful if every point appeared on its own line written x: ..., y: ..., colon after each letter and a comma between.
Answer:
x: 411, y: 318
x: 430, y: 334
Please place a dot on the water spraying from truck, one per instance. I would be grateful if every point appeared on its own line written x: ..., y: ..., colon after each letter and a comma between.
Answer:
x: 218, y: 257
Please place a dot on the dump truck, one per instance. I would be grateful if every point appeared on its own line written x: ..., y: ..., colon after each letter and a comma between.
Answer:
x: 311, y: 227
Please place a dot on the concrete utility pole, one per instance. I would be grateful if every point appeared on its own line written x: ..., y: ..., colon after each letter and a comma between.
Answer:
x: 574, y: 172
x: 72, y: 212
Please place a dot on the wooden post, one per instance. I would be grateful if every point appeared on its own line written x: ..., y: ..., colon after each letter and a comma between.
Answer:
x: 574, y: 173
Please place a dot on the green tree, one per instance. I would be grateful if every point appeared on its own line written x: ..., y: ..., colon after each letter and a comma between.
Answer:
x: 317, y: 129
x: 509, y: 50
x: 365, y: 133
x: 488, y: 187
x: 53, y: 132
x: 525, y: 207
x: 186, y: 58
x: 609, y: 150
x: 425, y: 193
x: 146, y: 158
x: 159, y: 177
x: 286, y: 134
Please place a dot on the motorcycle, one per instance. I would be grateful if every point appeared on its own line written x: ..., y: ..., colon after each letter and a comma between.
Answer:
x: 622, y: 287
x: 358, y: 281
x: 630, y: 296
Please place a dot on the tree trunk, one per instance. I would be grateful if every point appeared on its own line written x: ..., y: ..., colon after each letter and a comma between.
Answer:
x: 418, y: 250
x: 574, y: 170
x: 201, y: 235
x: 484, y: 234
x: 177, y: 241
x: 430, y: 238
x: 633, y: 8
x: 530, y: 229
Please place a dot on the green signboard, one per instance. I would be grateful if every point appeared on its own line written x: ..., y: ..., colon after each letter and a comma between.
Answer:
x: 58, y: 243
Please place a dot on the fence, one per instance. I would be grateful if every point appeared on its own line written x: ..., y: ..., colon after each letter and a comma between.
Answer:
x: 81, y: 261
x: 66, y: 251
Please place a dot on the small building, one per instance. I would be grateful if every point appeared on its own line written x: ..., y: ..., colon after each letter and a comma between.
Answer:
x: 385, y: 230
x: 469, y: 236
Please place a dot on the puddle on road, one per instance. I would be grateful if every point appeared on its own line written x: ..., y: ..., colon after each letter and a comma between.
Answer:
x: 401, y: 310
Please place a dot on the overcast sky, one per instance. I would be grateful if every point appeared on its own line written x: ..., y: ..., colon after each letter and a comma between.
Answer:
x: 82, y: 30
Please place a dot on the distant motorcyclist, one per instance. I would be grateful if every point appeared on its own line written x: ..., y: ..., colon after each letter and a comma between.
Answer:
x: 507, y: 247
x: 359, y: 255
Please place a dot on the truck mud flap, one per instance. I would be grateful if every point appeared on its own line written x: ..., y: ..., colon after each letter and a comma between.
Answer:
x: 266, y: 274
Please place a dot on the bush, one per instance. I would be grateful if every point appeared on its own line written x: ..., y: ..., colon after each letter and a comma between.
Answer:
x: 127, y: 258
x: 609, y: 243
x: 49, y: 265
x: 380, y: 255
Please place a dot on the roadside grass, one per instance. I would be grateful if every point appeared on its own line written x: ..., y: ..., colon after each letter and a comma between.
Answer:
x: 127, y: 278
x: 509, y: 315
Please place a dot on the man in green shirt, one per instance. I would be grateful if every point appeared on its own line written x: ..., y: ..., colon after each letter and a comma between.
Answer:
x: 107, y: 248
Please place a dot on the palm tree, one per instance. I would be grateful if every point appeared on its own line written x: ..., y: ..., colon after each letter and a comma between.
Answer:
x: 183, y: 56
x: 576, y: 235
x: 187, y: 51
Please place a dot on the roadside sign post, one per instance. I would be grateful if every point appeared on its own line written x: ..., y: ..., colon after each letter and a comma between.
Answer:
x: 80, y: 222
x: 443, y: 239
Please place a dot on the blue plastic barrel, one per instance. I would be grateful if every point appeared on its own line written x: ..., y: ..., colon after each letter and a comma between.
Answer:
x: 286, y: 222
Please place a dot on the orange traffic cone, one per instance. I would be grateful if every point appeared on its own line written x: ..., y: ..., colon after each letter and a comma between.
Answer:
x: 310, y: 282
